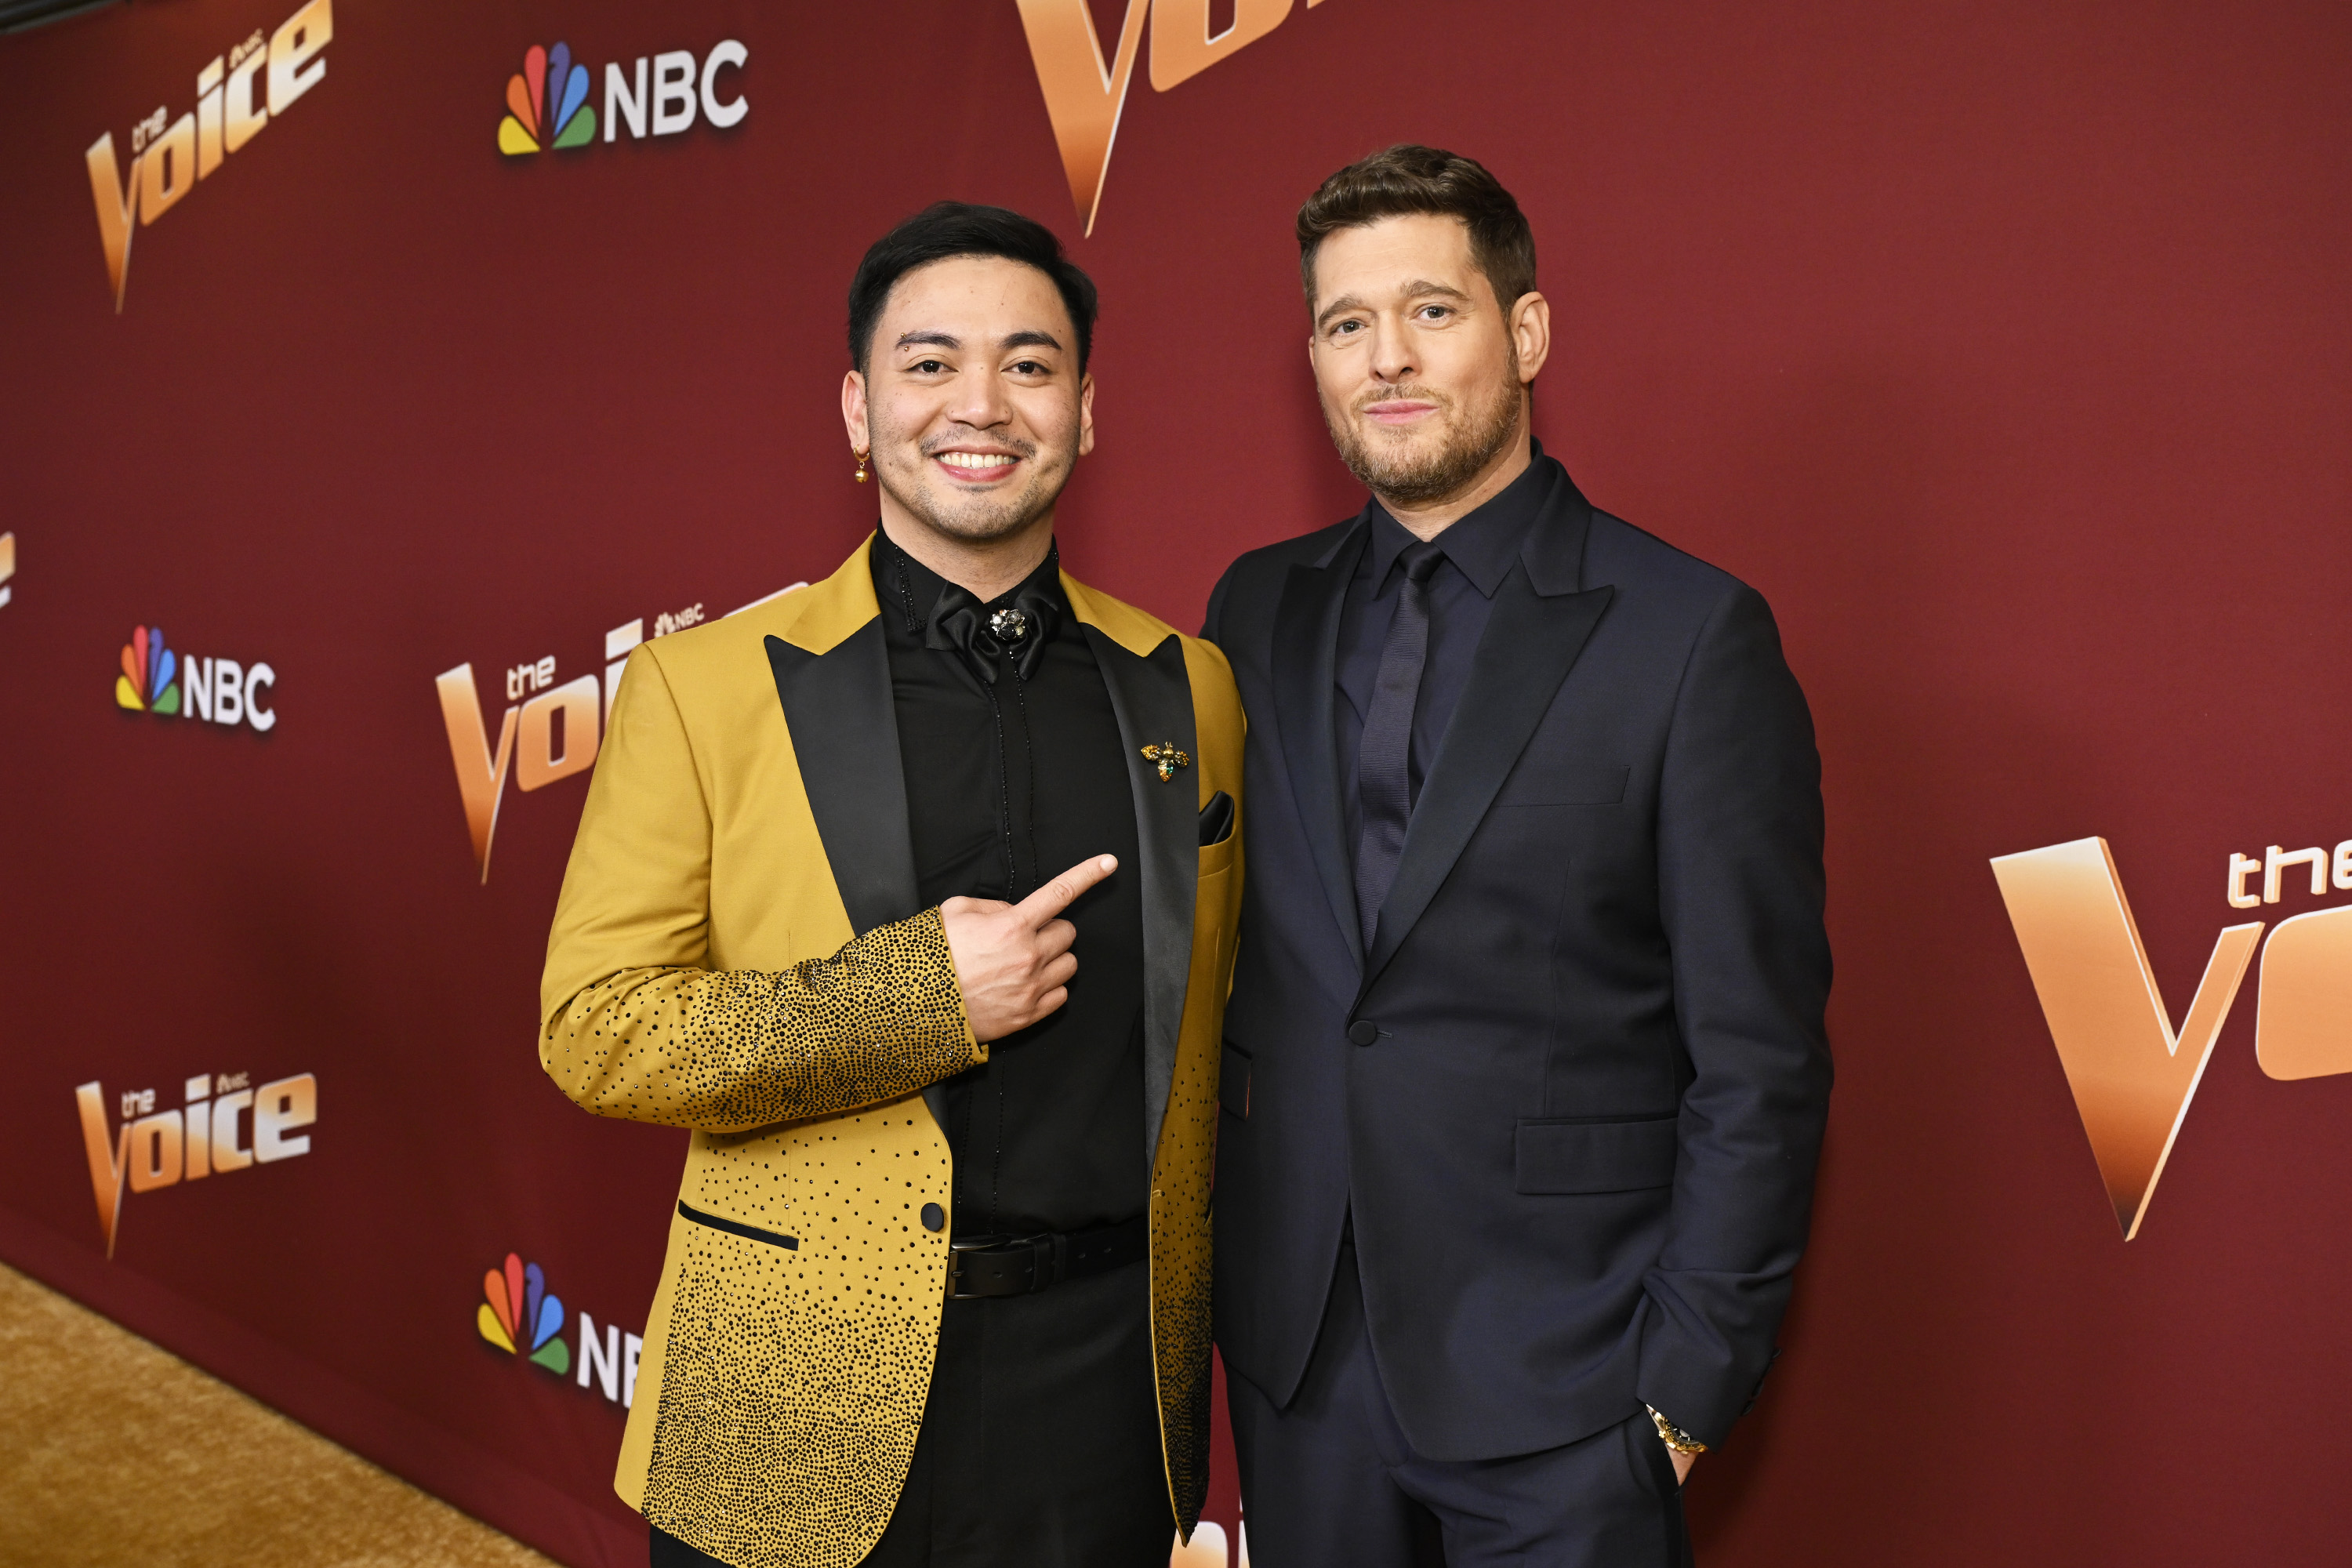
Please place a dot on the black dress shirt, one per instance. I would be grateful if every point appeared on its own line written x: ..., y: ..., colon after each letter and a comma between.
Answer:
x: 1480, y: 550
x: 1044, y: 1132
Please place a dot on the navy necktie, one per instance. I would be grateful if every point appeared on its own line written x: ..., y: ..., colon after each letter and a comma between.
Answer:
x: 1384, y: 758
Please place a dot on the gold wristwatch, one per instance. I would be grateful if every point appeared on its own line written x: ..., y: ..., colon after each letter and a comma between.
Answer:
x: 1675, y: 1438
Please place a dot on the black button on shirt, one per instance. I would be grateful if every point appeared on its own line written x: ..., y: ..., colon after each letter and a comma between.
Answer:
x: 1480, y: 550
x: 1047, y: 1135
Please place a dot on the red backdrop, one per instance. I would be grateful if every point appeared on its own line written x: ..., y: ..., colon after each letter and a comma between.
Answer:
x: 2003, y: 346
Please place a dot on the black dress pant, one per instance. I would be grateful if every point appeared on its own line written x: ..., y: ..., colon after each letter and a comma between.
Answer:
x: 1332, y: 1482
x: 1040, y: 1443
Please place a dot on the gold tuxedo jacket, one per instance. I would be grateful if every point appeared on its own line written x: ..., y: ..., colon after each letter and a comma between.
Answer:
x: 738, y: 951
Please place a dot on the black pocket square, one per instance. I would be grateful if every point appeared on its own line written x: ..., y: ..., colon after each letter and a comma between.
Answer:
x: 1217, y: 819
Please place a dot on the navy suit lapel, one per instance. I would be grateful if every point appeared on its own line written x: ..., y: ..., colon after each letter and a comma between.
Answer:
x: 1539, y: 623
x: 1152, y: 696
x: 844, y: 731
x: 1305, y: 657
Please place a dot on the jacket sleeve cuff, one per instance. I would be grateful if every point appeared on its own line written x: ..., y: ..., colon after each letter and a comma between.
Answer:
x: 1694, y: 1378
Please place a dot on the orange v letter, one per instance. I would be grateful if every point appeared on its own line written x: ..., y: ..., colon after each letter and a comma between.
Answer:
x: 108, y: 1164
x: 481, y: 776
x: 1083, y: 96
x: 2133, y: 1077
x: 118, y: 210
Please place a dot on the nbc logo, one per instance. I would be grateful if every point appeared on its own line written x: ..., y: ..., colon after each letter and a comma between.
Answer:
x: 153, y: 1149
x: 518, y: 1313
x: 528, y: 96
x: 154, y: 679
x: 7, y: 565
x: 147, y: 684
x: 516, y: 1308
x: 547, y: 100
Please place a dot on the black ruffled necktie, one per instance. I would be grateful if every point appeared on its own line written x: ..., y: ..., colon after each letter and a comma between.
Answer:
x: 984, y: 638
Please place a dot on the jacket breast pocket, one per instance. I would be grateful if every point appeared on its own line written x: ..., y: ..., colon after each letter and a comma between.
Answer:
x: 1216, y: 858
x: 1596, y: 1156
x: 1217, y: 819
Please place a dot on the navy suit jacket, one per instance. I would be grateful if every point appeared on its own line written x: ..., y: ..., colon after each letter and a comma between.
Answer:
x: 1574, y: 1093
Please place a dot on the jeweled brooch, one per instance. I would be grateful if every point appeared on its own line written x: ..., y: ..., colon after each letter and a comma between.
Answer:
x: 1166, y: 758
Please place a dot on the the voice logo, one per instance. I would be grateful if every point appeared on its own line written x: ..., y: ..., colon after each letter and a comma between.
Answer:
x: 2134, y: 1074
x: 1085, y: 91
x: 152, y: 1148
x: 550, y: 729
x: 169, y: 156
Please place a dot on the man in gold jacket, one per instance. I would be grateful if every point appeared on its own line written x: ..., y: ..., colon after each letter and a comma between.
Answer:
x: 928, y: 1299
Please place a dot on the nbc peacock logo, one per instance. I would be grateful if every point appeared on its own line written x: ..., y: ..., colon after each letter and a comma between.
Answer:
x: 155, y: 680
x: 149, y: 682
x: 516, y: 1309
x: 549, y: 94
x: 518, y: 1315
x: 664, y: 94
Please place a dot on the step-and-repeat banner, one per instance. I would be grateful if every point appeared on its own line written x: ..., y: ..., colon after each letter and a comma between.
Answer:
x: 378, y: 375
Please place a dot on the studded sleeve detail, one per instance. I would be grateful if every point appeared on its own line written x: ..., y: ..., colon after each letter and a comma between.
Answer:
x: 733, y: 1049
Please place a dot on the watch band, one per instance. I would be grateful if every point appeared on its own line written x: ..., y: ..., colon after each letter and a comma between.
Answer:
x: 1673, y: 1437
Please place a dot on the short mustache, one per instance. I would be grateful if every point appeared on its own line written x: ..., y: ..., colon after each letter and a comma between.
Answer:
x: 1020, y: 449
x: 1402, y: 394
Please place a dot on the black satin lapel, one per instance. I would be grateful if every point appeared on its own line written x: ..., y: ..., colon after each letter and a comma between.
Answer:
x: 845, y: 731
x: 1305, y: 653
x: 1152, y: 697
x: 1525, y: 653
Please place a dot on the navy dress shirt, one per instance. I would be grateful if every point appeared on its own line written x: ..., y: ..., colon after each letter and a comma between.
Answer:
x: 1480, y: 550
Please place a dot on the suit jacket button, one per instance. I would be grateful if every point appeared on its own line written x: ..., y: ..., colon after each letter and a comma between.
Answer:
x: 934, y: 1216
x: 1364, y: 1032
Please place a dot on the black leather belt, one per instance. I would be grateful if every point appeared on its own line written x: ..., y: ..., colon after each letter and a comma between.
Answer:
x: 1018, y: 1265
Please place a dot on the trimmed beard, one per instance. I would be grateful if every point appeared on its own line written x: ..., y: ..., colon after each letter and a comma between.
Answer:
x: 995, y: 519
x: 1470, y: 444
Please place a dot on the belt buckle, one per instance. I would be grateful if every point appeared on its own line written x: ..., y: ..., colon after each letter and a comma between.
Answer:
x: 958, y: 1246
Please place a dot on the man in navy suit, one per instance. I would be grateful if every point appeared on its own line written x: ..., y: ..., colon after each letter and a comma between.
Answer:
x: 1525, y: 1071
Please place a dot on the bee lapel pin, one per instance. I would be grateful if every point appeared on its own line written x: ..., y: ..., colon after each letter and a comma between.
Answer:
x: 1166, y: 758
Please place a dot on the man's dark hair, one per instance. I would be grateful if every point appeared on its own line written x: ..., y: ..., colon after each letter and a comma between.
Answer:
x: 945, y: 229
x: 1406, y: 179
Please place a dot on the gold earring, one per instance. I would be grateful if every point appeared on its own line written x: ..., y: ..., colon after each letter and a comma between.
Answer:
x: 860, y: 474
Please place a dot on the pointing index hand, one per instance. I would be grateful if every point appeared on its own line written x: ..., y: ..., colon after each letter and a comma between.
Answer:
x: 1049, y: 901
x: 1013, y: 961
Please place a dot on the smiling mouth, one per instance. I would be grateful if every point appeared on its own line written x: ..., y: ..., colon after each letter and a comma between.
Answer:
x: 976, y: 467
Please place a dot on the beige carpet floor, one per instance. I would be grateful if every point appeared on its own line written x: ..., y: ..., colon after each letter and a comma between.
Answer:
x: 173, y: 1468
